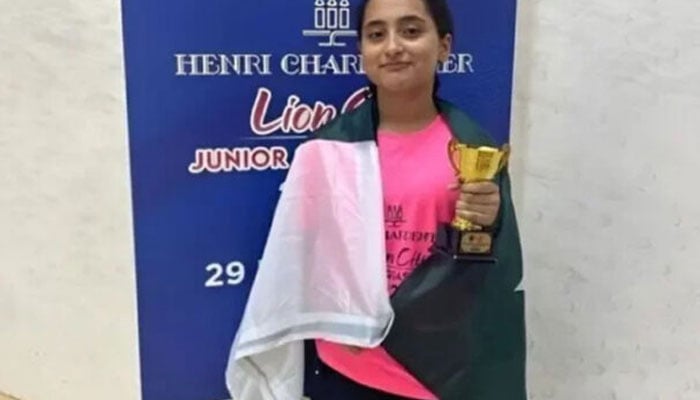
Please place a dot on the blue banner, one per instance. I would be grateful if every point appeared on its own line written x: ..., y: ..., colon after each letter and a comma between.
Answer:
x: 219, y: 95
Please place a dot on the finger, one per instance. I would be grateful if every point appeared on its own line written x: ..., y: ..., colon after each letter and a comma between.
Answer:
x: 479, y: 219
x: 353, y: 349
x: 487, y: 210
x: 474, y: 217
x: 453, y: 186
x: 486, y: 187
x: 483, y: 199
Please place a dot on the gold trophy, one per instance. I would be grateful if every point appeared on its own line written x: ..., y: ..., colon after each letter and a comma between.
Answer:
x: 461, y: 238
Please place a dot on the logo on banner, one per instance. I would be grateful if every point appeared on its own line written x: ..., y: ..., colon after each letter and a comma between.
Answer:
x: 331, y: 22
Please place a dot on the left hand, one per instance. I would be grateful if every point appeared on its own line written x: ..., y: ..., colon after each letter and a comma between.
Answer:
x: 354, y: 349
x: 478, y: 202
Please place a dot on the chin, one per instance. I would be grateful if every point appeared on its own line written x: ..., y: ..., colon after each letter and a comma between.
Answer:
x: 399, y: 86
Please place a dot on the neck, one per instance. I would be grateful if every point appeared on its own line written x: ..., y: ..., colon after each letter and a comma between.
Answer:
x: 401, y: 112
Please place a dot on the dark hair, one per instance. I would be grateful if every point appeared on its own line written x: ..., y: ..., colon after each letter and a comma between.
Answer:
x: 441, y: 15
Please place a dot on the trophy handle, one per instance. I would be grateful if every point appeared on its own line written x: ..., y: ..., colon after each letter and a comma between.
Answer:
x: 453, y: 155
x: 506, y: 156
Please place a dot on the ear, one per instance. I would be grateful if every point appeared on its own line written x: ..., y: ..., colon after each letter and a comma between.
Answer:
x: 445, y: 47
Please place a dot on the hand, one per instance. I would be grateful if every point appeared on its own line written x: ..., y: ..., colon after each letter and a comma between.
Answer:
x: 353, y: 349
x: 478, y: 202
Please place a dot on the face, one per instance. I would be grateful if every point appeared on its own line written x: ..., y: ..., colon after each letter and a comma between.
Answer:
x: 400, y: 45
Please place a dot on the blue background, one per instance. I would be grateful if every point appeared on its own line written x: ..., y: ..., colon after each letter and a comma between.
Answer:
x: 184, y: 222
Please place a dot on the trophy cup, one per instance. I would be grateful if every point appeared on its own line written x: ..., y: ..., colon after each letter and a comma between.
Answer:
x: 461, y: 238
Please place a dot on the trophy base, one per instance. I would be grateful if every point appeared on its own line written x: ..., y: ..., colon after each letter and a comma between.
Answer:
x: 472, y: 246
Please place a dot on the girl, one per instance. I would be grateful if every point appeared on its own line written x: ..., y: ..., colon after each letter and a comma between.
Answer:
x: 401, y: 42
x: 390, y: 317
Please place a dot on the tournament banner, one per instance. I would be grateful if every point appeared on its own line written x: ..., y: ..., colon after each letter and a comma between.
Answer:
x: 220, y: 93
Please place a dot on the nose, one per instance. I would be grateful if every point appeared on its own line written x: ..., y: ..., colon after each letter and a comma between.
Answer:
x: 394, y: 46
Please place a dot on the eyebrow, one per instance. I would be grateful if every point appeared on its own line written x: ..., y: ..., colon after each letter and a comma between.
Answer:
x: 404, y: 19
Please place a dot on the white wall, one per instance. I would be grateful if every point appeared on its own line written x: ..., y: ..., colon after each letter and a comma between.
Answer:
x: 607, y: 96
x: 606, y: 119
x: 67, y: 295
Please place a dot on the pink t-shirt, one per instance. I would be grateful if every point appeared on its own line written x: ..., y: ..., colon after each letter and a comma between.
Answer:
x: 416, y: 173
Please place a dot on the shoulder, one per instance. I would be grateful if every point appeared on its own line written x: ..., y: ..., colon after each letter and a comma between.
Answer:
x: 464, y: 127
x: 342, y: 138
x: 353, y: 126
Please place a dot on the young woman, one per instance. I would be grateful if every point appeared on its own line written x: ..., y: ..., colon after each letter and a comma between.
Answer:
x: 351, y: 301
x: 402, y: 42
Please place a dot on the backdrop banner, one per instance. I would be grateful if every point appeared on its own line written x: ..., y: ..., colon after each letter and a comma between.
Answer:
x: 219, y: 95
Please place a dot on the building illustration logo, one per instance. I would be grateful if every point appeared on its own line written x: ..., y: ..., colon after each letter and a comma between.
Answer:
x: 394, y: 215
x: 331, y: 22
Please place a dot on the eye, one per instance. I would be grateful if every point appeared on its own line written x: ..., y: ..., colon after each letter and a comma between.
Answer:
x: 375, y: 35
x: 411, y: 31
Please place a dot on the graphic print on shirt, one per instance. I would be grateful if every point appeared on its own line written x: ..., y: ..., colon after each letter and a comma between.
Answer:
x: 406, y: 248
x: 394, y: 215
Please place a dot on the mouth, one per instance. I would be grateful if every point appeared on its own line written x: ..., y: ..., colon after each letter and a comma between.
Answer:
x: 395, y: 66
